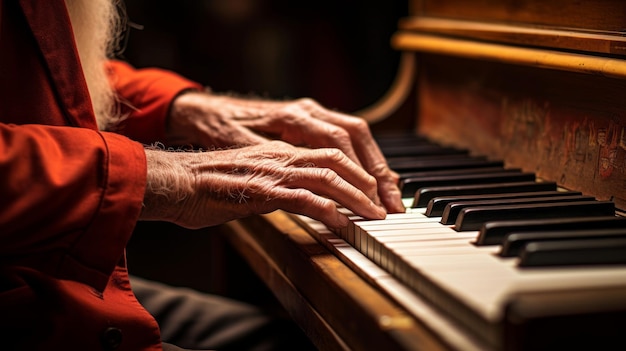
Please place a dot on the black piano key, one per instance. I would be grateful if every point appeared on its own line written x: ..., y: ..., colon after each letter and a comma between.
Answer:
x: 452, y: 210
x: 573, y: 252
x: 472, y: 218
x: 419, y: 150
x: 424, y: 195
x: 399, y: 161
x: 456, y: 171
x: 410, y: 185
x: 515, y: 242
x: 433, y: 163
x: 392, y: 139
x: 415, y: 163
x: 494, y: 232
x: 436, y: 206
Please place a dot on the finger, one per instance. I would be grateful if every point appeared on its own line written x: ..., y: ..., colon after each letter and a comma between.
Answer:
x: 389, y: 192
x: 327, y: 183
x: 337, y: 161
x: 305, y: 202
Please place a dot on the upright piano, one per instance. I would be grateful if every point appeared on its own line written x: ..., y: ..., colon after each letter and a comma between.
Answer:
x: 514, y: 177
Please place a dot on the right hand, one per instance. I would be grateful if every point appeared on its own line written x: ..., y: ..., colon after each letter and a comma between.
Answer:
x: 199, y: 189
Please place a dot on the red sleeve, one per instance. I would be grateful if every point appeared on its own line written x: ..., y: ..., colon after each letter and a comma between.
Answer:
x: 146, y: 96
x: 91, y: 185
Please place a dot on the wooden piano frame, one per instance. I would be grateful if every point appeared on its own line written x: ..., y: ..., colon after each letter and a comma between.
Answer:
x: 540, y: 84
x: 338, y: 308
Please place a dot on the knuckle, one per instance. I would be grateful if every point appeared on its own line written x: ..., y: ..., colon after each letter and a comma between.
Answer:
x: 334, y: 155
x: 361, y: 128
x: 339, y: 134
x: 372, y: 182
x: 327, y: 176
x: 307, y: 103
x: 324, y: 207
x: 319, y: 206
x: 382, y: 171
x: 359, y: 125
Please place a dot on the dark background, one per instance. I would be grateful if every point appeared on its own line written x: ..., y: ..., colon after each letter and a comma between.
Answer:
x: 336, y: 52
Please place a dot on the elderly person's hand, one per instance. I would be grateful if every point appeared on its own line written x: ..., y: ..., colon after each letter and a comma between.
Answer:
x: 214, y: 121
x: 198, y: 189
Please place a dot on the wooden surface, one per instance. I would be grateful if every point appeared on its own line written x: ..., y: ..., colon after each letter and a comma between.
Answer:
x: 532, y: 57
x: 520, y: 34
x: 337, y: 308
x: 589, y: 15
x: 538, y: 84
x: 566, y: 127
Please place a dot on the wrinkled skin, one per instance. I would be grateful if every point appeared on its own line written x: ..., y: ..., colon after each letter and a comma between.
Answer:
x: 208, y: 188
x: 211, y: 121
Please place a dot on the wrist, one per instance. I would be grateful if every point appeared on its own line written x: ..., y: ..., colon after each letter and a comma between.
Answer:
x: 180, y: 123
x: 168, y: 185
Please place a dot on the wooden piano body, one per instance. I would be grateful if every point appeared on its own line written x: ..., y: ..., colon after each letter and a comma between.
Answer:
x: 539, y: 84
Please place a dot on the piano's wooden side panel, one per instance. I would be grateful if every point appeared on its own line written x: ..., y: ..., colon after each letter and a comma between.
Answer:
x: 589, y: 15
x: 567, y: 127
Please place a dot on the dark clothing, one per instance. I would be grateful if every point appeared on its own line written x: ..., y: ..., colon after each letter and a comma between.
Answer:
x: 197, y: 321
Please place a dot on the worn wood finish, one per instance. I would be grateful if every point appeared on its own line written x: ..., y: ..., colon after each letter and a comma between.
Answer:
x: 501, y: 78
x: 566, y: 127
x: 602, y: 42
x: 336, y: 307
x: 588, y: 15
x: 243, y: 241
x: 537, y: 58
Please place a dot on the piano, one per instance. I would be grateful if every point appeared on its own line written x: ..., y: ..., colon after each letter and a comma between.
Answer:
x: 514, y: 178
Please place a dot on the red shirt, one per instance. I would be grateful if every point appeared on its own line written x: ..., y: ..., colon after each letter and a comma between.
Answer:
x: 70, y: 195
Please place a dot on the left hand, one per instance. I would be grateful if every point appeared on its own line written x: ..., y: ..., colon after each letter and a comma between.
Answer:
x: 213, y: 121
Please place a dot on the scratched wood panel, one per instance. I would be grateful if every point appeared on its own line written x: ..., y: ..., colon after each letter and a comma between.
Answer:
x: 596, y: 15
x: 566, y: 127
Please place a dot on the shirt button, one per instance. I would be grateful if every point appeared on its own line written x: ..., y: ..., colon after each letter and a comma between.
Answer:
x: 111, y: 338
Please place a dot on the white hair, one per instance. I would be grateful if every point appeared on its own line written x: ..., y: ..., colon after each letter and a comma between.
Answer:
x: 96, y: 25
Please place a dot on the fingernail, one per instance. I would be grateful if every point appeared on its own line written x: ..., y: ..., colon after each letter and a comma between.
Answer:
x: 380, y: 211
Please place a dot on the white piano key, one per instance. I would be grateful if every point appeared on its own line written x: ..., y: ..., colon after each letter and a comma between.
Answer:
x: 378, y: 245
x: 408, y: 202
x: 408, y: 229
x: 397, y: 219
x: 391, y: 217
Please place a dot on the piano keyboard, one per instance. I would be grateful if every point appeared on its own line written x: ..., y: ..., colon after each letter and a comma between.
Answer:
x: 476, y: 239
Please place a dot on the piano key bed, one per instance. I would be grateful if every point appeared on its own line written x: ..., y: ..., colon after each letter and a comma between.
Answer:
x: 515, y: 261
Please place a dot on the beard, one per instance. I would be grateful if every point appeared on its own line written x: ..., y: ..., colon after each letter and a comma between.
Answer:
x: 96, y: 27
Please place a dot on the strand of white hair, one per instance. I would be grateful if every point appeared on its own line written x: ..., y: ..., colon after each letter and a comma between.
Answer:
x: 96, y: 26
